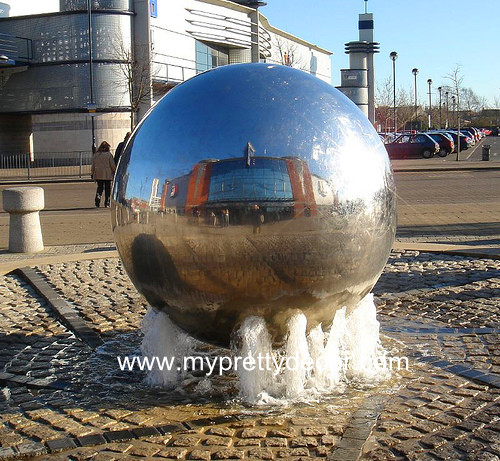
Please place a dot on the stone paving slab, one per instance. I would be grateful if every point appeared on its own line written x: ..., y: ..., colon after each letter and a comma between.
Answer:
x: 62, y: 400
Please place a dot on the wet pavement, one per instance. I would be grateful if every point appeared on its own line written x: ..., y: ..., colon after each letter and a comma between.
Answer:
x: 65, y: 399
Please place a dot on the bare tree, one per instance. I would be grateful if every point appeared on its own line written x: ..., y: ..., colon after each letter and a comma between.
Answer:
x: 385, y: 103
x: 471, y: 102
x: 135, y: 72
x: 456, y: 78
x: 288, y: 53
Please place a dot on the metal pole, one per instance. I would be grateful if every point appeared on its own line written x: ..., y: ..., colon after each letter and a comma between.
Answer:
x: 415, y: 72
x: 440, y: 89
x: 394, y: 56
x: 453, y: 107
x: 447, y: 110
x: 91, y: 69
x: 429, y: 82
x: 458, y: 122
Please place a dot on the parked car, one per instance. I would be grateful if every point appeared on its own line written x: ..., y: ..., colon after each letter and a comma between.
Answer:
x: 472, y: 134
x: 412, y: 146
x: 446, y: 144
x: 464, y: 144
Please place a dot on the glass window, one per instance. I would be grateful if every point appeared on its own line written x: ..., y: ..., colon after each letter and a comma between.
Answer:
x: 266, y: 179
x: 209, y: 56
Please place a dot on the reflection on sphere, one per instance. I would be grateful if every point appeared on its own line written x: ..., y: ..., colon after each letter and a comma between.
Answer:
x: 253, y: 189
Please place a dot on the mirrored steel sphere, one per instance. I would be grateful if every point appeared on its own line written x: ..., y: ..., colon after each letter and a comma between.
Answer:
x: 253, y: 189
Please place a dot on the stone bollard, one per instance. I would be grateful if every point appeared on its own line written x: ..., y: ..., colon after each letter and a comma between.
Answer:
x: 24, y: 204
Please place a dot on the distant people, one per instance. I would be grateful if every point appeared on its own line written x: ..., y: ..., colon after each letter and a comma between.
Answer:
x: 214, y: 218
x: 103, y: 169
x: 257, y: 219
x: 196, y: 216
x: 120, y: 147
x: 226, y: 217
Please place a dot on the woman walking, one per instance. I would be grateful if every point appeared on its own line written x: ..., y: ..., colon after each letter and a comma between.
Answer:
x: 103, y: 169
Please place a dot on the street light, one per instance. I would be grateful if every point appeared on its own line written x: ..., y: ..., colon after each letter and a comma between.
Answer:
x: 394, y: 56
x: 414, y: 71
x: 453, y: 103
x: 447, y: 109
x: 429, y: 82
x: 440, y: 89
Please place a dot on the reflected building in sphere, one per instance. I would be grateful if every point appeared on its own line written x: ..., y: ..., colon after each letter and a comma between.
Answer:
x: 276, y: 195
x: 282, y: 187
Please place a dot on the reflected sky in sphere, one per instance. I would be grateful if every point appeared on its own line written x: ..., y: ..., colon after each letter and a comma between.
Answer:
x: 216, y: 121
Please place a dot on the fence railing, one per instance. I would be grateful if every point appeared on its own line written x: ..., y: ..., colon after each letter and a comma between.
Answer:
x: 45, y: 165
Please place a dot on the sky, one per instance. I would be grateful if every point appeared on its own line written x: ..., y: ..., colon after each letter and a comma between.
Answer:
x: 433, y: 35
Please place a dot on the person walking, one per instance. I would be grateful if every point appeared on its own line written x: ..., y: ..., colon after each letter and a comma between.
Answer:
x: 120, y: 147
x: 103, y: 169
x: 257, y: 219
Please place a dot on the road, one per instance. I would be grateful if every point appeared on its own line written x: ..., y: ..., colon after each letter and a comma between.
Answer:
x: 451, y: 204
x: 475, y: 153
x: 447, y: 204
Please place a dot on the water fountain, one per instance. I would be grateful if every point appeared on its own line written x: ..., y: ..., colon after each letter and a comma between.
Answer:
x: 254, y: 206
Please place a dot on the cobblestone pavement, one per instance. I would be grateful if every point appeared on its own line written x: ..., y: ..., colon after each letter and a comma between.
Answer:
x: 63, y: 400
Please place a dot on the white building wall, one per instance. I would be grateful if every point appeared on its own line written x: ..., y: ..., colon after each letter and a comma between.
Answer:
x: 300, y: 56
x: 181, y: 22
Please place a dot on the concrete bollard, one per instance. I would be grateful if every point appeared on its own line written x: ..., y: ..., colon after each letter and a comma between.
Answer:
x: 24, y: 205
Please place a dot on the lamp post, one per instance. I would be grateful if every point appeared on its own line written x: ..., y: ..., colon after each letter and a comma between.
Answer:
x: 458, y: 122
x: 91, y: 71
x: 414, y: 71
x: 440, y: 89
x: 453, y: 105
x: 393, y: 55
x: 429, y: 82
x: 447, y: 109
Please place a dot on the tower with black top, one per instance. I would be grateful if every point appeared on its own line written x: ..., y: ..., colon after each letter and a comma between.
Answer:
x: 358, y: 82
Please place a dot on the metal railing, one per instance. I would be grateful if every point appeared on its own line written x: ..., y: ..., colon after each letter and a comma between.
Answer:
x: 45, y: 165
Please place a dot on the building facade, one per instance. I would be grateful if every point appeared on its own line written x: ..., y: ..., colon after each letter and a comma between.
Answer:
x: 63, y: 84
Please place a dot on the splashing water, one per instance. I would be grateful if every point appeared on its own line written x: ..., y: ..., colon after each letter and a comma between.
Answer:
x: 307, y: 366
x: 298, y: 361
x: 319, y: 362
x: 257, y: 384
x: 165, y: 340
x: 362, y: 341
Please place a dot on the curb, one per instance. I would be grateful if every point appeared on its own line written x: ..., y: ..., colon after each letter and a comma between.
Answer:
x: 67, y: 315
x: 435, y: 169
x: 350, y: 446
x: 6, y: 182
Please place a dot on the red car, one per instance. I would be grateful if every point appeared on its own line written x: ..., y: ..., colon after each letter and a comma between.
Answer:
x: 412, y: 146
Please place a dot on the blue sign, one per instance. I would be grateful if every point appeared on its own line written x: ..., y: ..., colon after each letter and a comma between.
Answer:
x: 154, y: 8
